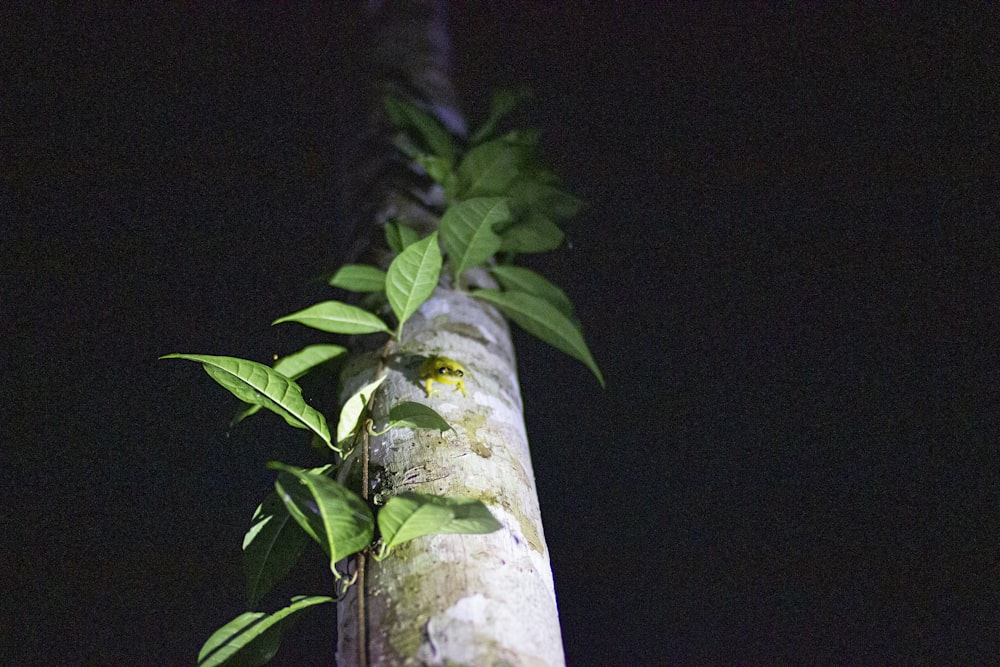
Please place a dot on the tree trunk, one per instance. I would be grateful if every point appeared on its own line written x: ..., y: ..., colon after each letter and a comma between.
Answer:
x: 465, y: 599
x: 449, y: 599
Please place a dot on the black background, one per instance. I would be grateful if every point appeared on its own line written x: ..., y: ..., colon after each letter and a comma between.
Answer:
x: 787, y: 272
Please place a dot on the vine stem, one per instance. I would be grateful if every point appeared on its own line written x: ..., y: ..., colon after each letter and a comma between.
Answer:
x: 362, y: 634
x: 362, y: 557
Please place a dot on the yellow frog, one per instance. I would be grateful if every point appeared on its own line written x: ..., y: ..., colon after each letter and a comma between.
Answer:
x: 443, y: 370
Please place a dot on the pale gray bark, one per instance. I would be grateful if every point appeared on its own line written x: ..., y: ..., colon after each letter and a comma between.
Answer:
x: 448, y: 599
x: 458, y: 599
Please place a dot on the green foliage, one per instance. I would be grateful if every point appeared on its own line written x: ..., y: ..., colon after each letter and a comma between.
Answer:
x: 258, y: 384
x: 271, y: 547
x: 295, y: 365
x: 330, y: 513
x: 490, y: 169
x: 416, y: 415
x: 498, y: 199
x: 411, y: 515
x: 336, y: 317
x: 467, y: 231
x: 359, y: 278
x: 253, y: 637
x: 544, y: 321
x: 412, y: 277
x: 504, y: 101
x: 538, y: 193
x: 398, y: 237
x: 353, y: 411
x: 531, y: 233
x: 408, y: 116
x: 520, y: 279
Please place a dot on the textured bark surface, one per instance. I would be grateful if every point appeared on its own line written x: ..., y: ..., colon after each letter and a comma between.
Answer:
x: 457, y: 599
x: 404, y: 50
x: 447, y: 599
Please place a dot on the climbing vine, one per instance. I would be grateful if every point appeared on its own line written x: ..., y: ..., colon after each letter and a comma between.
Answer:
x: 498, y: 203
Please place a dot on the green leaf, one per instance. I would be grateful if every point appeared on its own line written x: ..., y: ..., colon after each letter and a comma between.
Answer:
x: 533, y: 233
x: 346, y: 524
x: 352, y: 411
x: 411, y: 515
x: 295, y: 365
x: 472, y: 517
x: 399, y: 237
x: 543, y: 198
x: 520, y: 279
x: 253, y: 637
x: 490, y: 169
x: 412, y: 277
x: 336, y: 317
x: 417, y: 415
x: 439, y: 169
x: 299, y: 502
x: 359, y: 278
x: 405, y: 114
x: 544, y: 321
x: 271, y: 547
x: 502, y: 103
x: 258, y: 384
x: 467, y: 231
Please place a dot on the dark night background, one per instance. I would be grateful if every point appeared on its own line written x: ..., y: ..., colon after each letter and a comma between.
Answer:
x: 787, y: 272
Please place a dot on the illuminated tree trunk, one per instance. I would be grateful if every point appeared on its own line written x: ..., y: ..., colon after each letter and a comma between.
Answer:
x: 448, y: 599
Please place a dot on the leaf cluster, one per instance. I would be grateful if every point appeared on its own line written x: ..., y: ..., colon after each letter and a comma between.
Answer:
x: 498, y: 201
x: 311, y: 505
x: 492, y: 165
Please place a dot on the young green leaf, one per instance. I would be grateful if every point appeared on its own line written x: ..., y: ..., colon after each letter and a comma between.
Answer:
x: 529, y: 234
x: 411, y: 515
x: 337, y: 317
x: 544, y: 321
x: 467, y: 231
x: 359, y: 278
x: 346, y: 524
x: 412, y: 277
x: 253, y: 637
x: 520, y: 279
x: 354, y: 407
x: 417, y: 415
x: 271, y: 547
x: 258, y: 384
x: 405, y: 114
x: 399, y: 237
